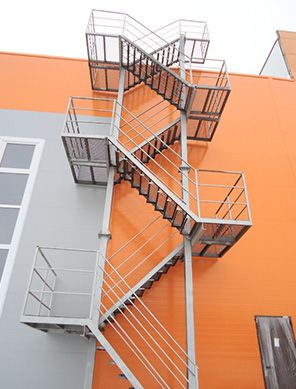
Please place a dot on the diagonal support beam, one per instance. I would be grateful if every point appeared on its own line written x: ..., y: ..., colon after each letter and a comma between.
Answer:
x: 115, y: 357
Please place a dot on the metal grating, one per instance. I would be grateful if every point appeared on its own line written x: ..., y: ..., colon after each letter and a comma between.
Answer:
x: 216, y: 239
x: 87, y: 124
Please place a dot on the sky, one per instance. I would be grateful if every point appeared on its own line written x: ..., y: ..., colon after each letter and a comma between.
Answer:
x: 241, y: 32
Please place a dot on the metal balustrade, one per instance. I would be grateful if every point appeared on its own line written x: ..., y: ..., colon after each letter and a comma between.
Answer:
x: 61, y: 289
x: 142, y: 254
x: 117, y: 41
x: 109, y: 23
x: 196, y: 37
x: 145, y: 337
x: 81, y: 291
x: 149, y: 341
x: 154, y: 168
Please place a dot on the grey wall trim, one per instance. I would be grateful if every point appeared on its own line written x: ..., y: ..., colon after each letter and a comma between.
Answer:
x: 60, y: 213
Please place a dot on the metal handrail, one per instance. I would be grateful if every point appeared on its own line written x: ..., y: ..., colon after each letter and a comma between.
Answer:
x: 139, y: 248
x: 136, y: 347
x: 164, y: 105
x: 149, y: 344
x: 182, y: 161
x: 146, y: 331
x: 150, y: 313
x: 134, y: 237
x: 142, y: 261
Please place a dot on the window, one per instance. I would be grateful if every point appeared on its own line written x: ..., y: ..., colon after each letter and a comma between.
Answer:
x: 19, y: 159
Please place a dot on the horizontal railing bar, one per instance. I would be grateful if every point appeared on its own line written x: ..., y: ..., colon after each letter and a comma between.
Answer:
x: 76, y: 108
x: 221, y: 186
x: 65, y: 269
x: 219, y: 171
x: 91, y: 98
x: 63, y: 292
x: 222, y: 202
x: 87, y: 122
x: 67, y: 249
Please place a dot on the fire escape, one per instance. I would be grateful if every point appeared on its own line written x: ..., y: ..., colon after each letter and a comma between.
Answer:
x: 198, y: 212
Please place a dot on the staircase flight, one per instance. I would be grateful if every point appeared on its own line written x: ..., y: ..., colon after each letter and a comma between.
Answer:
x: 100, y: 136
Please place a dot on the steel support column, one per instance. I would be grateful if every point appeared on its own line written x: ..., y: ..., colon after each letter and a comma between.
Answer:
x: 104, y: 234
x: 190, y: 330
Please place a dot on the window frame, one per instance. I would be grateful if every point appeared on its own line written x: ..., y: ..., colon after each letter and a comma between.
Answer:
x: 12, y: 247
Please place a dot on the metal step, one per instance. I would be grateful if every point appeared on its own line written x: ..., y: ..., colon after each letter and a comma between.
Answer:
x: 156, y: 75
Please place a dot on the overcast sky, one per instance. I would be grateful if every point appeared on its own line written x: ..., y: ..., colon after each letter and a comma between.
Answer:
x: 242, y: 32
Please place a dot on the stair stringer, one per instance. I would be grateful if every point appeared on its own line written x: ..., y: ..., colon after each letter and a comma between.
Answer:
x: 115, y: 357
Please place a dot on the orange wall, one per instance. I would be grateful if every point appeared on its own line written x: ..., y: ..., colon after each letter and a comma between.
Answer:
x: 257, y: 276
x: 41, y: 83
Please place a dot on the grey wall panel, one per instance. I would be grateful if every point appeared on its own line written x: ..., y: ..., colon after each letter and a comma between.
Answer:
x: 60, y: 213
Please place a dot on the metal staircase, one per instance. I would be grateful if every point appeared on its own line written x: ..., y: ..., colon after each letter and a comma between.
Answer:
x: 217, y: 209
x: 141, y: 337
x: 155, y: 192
x: 117, y: 41
x: 105, y: 139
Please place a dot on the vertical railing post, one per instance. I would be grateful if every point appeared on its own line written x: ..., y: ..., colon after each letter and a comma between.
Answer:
x: 229, y: 207
x: 42, y: 290
x: 97, y: 289
x: 246, y: 196
x: 30, y: 280
x: 104, y: 234
x: 197, y: 193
